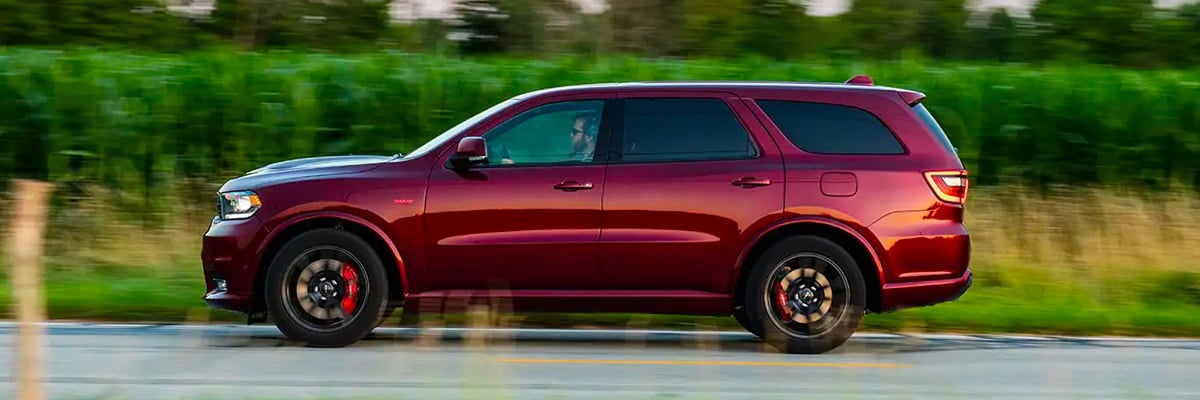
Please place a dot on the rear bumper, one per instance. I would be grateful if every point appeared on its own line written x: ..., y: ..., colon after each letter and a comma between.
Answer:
x: 923, y: 293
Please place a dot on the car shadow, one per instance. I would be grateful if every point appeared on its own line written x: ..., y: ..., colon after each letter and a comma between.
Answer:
x: 390, y: 339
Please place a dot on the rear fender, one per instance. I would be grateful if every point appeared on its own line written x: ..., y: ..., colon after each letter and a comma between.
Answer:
x: 871, y: 246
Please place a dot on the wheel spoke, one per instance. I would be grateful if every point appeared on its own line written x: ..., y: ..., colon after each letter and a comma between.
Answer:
x: 307, y: 304
x: 301, y: 290
x: 337, y: 312
x: 305, y: 276
x: 793, y: 276
x: 326, y: 264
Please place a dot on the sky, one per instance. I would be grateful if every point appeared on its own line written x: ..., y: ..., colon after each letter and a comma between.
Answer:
x: 440, y: 8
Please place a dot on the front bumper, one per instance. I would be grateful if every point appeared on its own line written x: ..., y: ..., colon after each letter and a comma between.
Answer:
x: 229, y: 259
x: 923, y: 293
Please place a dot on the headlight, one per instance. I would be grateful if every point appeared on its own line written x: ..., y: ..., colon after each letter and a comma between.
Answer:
x: 238, y: 205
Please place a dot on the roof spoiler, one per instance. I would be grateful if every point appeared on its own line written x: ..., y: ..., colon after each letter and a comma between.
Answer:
x: 910, y: 97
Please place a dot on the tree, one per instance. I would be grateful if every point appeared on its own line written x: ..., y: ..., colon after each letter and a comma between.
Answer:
x: 1105, y: 32
x: 512, y: 26
x: 777, y: 29
x: 646, y: 27
x: 882, y: 28
x: 998, y: 39
x: 715, y: 27
x: 940, y: 27
x: 333, y: 25
x: 25, y: 22
x: 328, y: 24
x: 1175, y: 36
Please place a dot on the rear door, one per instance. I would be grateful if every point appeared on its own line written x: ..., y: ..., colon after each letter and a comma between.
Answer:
x: 691, y: 177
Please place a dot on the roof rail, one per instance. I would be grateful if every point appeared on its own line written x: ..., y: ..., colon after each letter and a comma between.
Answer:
x: 864, y: 80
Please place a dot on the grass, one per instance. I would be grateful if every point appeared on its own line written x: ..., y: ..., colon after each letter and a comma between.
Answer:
x: 139, y: 123
x: 1075, y: 261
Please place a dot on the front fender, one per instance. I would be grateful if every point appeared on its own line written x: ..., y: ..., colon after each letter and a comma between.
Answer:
x: 274, y: 230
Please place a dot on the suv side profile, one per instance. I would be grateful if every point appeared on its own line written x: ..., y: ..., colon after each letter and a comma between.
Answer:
x: 794, y: 207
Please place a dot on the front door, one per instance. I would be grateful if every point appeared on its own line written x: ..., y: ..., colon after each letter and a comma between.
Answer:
x: 694, y: 175
x: 530, y: 217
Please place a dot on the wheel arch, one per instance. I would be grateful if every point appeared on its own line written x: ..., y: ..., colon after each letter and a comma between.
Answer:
x: 865, y: 255
x: 359, y: 226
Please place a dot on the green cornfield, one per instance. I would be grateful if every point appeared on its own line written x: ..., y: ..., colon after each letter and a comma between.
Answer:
x: 141, y: 125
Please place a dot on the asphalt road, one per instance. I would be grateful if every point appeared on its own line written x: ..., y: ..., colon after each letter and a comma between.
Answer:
x: 239, y: 362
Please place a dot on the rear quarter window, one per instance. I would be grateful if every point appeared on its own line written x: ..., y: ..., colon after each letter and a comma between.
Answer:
x: 830, y: 128
x: 934, y: 128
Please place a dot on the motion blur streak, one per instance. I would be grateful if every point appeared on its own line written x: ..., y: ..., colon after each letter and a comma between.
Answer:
x: 698, y: 362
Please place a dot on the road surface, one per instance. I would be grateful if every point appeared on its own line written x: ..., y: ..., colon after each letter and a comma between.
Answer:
x: 253, y: 362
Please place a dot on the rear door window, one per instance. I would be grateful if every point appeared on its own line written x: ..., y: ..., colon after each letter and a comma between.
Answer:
x: 830, y: 128
x: 682, y: 129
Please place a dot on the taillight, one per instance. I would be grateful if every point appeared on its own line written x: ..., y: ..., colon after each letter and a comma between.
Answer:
x: 950, y: 186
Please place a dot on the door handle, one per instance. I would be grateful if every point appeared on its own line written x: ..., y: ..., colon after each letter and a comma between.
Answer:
x: 571, y: 186
x: 751, y: 182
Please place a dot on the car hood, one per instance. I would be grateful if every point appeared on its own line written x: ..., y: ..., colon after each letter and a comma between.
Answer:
x: 301, y: 168
x: 319, y: 163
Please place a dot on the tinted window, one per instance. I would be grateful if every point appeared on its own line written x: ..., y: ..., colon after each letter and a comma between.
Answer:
x: 555, y: 133
x: 934, y: 127
x: 683, y: 129
x: 831, y: 129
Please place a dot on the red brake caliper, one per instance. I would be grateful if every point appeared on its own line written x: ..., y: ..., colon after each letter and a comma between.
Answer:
x: 781, y: 300
x: 350, y: 302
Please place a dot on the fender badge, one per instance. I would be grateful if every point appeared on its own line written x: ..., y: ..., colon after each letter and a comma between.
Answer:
x: 402, y: 201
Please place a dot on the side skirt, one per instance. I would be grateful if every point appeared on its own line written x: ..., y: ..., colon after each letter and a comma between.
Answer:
x: 686, y: 302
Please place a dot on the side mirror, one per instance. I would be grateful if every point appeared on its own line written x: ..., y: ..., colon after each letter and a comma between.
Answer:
x: 471, y: 150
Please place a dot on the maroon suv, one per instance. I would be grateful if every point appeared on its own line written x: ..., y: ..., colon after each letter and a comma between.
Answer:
x: 795, y: 207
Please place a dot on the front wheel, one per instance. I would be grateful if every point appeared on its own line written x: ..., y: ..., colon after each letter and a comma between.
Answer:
x: 742, y: 319
x: 327, y: 288
x: 806, y: 295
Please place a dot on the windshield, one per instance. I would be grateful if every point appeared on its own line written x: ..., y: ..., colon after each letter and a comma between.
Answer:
x: 457, y: 129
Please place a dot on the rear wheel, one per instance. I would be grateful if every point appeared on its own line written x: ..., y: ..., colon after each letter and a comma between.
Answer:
x: 326, y: 288
x: 806, y: 295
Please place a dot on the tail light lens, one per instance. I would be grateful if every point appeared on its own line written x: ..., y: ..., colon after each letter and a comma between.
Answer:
x: 949, y: 186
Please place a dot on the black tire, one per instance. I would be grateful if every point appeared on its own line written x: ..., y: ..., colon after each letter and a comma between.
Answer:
x: 285, y: 302
x: 387, y: 313
x: 843, y: 291
x: 742, y: 319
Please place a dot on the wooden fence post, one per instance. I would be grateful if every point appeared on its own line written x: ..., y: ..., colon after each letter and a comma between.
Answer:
x: 28, y: 225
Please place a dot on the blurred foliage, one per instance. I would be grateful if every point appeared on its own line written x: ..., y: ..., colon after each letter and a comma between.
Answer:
x: 1129, y: 33
x: 141, y: 124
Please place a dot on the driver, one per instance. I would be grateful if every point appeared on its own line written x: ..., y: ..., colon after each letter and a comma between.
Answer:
x: 583, y: 136
x: 584, y: 129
